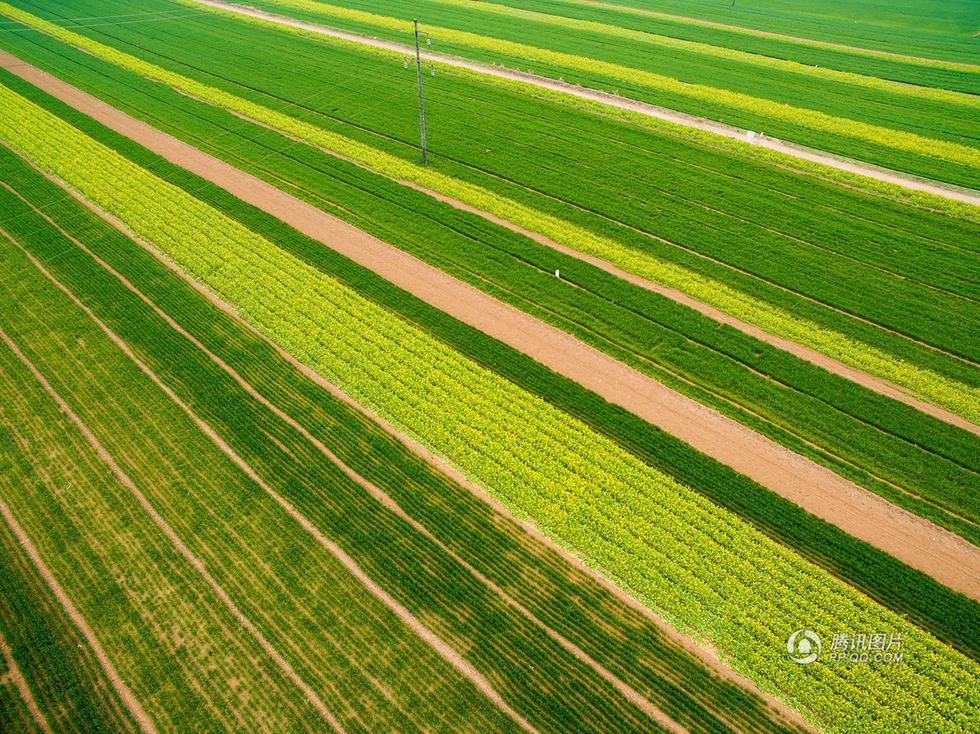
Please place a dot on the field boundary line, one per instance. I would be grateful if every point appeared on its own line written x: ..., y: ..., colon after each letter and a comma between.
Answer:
x: 23, y: 689
x: 865, y: 379
x: 795, y: 150
x: 800, y: 40
x: 129, y: 700
x: 455, y: 659
x: 377, y: 493
x: 706, y: 654
x: 709, y: 51
x: 918, y: 542
x: 147, y: 506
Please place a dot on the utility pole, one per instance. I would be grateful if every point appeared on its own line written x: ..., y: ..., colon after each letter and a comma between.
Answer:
x: 418, y: 70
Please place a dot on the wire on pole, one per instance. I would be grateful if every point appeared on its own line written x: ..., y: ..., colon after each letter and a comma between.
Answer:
x: 418, y: 70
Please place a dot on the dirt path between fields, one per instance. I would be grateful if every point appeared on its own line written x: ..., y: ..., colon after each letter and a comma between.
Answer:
x: 148, y: 507
x: 704, y: 653
x: 23, y: 689
x: 918, y: 542
x: 130, y: 701
x: 878, y: 385
x: 455, y: 659
x: 376, y: 492
x: 782, y: 146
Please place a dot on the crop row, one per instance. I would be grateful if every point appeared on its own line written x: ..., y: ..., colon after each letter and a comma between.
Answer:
x: 925, y: 72
x: 149, y: 608
x: 765, y: 76
x: 924, y: 381
x: 400, y: 220
x: 949, y: 615
x: 677, y: 682
x: 59, y: 667
x: 923, y: 29
x: 347, y: 645
x: 700, y: 565
x: 773, y: 392
x: 879, y: 131
x: 546, y: 683
x: 696, y: 212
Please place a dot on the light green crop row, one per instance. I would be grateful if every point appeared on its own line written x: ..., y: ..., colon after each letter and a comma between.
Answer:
x: 698, y: 564
x: 813, y: 119
x: 705, y: 49
x: 891, y: 191
x: 811, y: 42
x: 928, y: 384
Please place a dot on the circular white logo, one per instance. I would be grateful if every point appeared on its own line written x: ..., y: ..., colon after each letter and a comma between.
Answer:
x: 803, y: 647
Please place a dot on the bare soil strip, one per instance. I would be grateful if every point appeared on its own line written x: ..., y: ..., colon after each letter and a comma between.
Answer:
x: 20, y: 683
x: 878, y: 385
x: 705, y: 653
x: 130, y: 701
x: 798, y: 151
x: 380, y: 495
x: 921, y: 544
x: 193, y: 560
x: 463, y: 666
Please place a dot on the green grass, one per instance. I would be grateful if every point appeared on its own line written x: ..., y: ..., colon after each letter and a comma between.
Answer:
x: 352, y: 650
x: 859, y: 434
x: 60, y: 669
x: 940, y: 29
x: 750, y: 284
x: 160, y: 624
x: 950, y: 617
x: 677, y: 550
x: 924, y: 131
x: 830, y: 53
x: 413, y: 570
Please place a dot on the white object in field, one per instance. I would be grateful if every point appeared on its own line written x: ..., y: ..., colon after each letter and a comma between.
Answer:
x: 557, y: 273
x: 750, y: 135
x: 405, y: 63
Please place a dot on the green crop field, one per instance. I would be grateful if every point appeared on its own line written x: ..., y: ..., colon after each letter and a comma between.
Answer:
x: 928, y: 130
x: 253, y: 478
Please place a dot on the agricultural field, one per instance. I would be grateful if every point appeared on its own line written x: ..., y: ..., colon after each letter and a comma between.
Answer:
x: 580, y: 419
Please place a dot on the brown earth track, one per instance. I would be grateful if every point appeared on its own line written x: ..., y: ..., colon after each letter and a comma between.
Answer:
x: 130, y: 701
x: 706, y: 654
x: 23, y: 689
x: 921, y: 544
x: 380, y: 495
x: 877, y: 384
x: 441, y: 647
x: 148, y: 507
x: 782, y: 146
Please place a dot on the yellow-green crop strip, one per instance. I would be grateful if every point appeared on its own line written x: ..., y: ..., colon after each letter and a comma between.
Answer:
x: 813, y: 119
x: 701, y: 566
x: 891, y: 191
x: 811, y: 42
x: 706, y: 49
x: 951, y: 394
